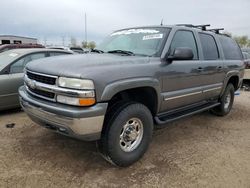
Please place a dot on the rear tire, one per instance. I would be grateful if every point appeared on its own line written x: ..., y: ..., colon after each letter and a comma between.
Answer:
x: 226, y: 101
x: 127, y: 134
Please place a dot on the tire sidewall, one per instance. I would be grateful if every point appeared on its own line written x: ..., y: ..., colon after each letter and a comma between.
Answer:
x: 229, y: 89
x: 118, y: 156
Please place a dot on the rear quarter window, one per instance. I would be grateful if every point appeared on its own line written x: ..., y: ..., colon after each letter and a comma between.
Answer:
x: 230, y: 48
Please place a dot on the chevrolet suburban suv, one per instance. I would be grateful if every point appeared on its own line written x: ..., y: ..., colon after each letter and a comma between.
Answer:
x: 136, y: 80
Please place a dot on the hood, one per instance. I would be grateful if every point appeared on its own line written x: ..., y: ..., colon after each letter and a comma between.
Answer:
x: 85, y: 65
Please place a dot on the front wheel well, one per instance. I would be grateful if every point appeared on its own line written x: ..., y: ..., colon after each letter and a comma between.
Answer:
x: 143, y: 95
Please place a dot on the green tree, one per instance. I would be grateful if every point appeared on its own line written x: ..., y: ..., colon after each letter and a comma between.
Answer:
x: 84, y: 44
x: 91, y: 45
x: 243, y: 41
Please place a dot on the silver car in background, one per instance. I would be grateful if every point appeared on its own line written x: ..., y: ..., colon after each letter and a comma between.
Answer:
x: 12, y: 64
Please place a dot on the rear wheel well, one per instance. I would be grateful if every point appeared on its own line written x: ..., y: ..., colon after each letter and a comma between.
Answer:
x: 143, y: 95
x: 235, y: 81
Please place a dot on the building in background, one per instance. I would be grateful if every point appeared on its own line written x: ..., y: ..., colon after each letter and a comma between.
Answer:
x: 11, y: 39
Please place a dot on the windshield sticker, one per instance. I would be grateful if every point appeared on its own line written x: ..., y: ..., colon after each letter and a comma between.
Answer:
x: 13, y: 54
x: 135, y: 31
x: 154, y: 36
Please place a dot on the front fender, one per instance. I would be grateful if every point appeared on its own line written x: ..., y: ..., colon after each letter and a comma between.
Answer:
x: 121, y: 85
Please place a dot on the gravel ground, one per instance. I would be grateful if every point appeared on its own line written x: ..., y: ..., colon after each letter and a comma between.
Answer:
x: 200, y: 151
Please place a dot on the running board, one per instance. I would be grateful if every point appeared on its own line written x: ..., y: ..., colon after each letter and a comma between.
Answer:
x: 166, y: 118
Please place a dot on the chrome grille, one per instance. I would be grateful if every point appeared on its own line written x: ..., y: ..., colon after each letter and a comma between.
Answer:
x: 41, y: 78
x: 42, y: 93
x: 45, y: 87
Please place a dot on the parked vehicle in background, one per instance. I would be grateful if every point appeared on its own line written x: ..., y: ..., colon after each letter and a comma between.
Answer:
x: 60, y: 48
x: 245, y: 50
x: 77, y: 50
x: 137, y: 79
x: 12, y: 63
x: 246, y: 59
x: 246, y: 80
x: 6, y: 47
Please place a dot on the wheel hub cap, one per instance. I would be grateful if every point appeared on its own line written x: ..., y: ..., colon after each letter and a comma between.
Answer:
x: 131, y: 135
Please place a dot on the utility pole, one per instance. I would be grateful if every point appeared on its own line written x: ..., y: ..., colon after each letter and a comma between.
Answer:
x: 86, y: 39
x: 45, y: 41
x: 63, y: 40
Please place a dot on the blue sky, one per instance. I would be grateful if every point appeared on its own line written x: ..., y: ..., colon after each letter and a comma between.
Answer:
x: 54, y: 19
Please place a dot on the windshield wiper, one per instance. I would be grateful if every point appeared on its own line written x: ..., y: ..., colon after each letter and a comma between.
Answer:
x: 97, y: 51
x: 121, y: 52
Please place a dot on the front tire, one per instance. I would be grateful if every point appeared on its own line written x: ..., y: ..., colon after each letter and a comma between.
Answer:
x: 226, y: 102
x: 127, y: 134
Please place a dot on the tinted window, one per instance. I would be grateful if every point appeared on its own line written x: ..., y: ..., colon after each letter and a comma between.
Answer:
x: 18, y: 66
x: 230, y: 48
x: 209, y: 47
x: 184, y: 39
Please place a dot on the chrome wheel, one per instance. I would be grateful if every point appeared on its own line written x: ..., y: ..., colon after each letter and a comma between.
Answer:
x: 131, y: 135
x: 227, y: 101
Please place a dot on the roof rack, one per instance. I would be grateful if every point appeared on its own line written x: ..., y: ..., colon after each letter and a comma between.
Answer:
x: 217, y: 31
x: 202, y: 27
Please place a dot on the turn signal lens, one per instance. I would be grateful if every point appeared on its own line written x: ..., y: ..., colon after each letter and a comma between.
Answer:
x: 86, y: 101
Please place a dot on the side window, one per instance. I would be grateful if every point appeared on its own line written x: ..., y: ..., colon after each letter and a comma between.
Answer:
x: 230, y: 48
x: 36, y: 56
x: 56, y: 53
x: 18, y: 66
x: 209, y: 47
x: 184, y: 39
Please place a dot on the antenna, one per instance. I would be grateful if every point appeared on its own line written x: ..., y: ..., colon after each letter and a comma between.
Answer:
x: 162, y: 22
x: 86, y: 39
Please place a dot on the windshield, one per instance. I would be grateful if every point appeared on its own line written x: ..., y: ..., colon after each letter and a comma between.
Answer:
x: 139, y: 41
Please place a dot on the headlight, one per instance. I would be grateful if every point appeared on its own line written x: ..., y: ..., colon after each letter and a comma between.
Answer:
x: 74, y: 83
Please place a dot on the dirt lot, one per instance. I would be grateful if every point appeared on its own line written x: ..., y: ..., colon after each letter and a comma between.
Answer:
x: 201, y: 151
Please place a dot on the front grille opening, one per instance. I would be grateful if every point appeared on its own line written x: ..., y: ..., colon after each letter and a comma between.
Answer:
x: 41, y: 78
x: 43, y: 93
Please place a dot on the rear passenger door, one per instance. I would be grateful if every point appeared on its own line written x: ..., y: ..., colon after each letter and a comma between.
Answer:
x: 212, y: 66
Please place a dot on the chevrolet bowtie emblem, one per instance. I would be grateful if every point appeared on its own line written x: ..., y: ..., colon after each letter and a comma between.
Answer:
x: 32, y: 84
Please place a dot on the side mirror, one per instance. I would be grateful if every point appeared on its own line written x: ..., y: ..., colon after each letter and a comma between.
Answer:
x: 181, y: 54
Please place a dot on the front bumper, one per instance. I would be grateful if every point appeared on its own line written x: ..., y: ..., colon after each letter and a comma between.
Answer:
x: 84, y: 123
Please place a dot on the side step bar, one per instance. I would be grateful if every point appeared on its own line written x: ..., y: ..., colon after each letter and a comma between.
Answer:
x: 166, y: 118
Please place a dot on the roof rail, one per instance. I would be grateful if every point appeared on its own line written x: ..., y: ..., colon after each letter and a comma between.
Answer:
x: 202, y: 27
x: 217, y: 31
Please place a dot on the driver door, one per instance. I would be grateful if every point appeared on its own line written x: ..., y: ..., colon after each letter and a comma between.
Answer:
x: 182, y: 84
